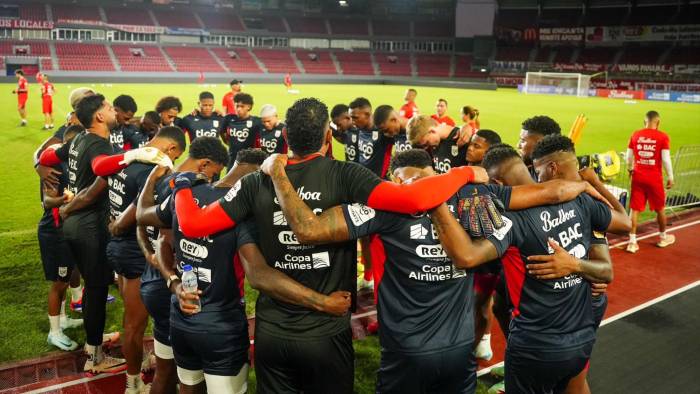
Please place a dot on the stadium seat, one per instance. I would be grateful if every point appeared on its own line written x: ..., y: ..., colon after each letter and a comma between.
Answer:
x: 641, y: 55
x: 560, y: 17
x: 652, y: 15
x: 307, y: 25
x: 517, y: 18
x: 277, y: 60
x: 463, y: 67
x: 393, y: 28
x: 563, y: 55
x: 354, y: 27
x: 32, y: 11
x: 684, y: 55
x: 36, y: 48
x: 221, y: 21
x: 430, y: 28
x: 355, y: 62
x: 393, y: 64
x: 608, y: 16
x: 316, y: 62
x: 596, y: 55
x: 72, y: 57
x: 75, y: 12
x: 274, y: 24
x: 150, y: 59
x: 433, y: 65
x: 513, y: 53
x: 193, y: 59
x: 127, y: 16
x: 237, y: 59
x: 176, y: 18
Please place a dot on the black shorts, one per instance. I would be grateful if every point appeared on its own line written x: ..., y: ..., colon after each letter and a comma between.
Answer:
x: 448, y: 371
x: 87, y: 236
x: 56, y: 256
x: 156, y: 299
x: 315, y: 366
x: 526, y: 374
x: 600, y: 304
x: 126, y: 257
x: 215, y: 353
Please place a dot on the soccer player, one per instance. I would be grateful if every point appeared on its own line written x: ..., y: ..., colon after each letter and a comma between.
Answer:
x: 648, y: 151
x: 388, y: 121
x: 85, y: 227
x: 207, y: 156
x: 205, y: 122
x: 343, y: 130
x: 125, y: 135
x: 444, y: 142
x: 441, y: 115
x: 168, y: 108
x: 288, y: 81
x: 481, y: 141
x: 373, y: 147
x: 409, y: 109
x: 123, y: 252
x: 47, y: 91
x: 241, y: 130
x: 433, y: 324
x: 22, y: 93
x: 56, y: 257
x: 470, y: 116
x: 532, y: 132
x: 227, y: 102
x: 553, y: 328
x: 271, y: 138
x: 284, y: 333
x: 148, y: 126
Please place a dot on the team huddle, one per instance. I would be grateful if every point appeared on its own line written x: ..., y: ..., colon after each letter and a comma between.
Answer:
x: 452, y: 224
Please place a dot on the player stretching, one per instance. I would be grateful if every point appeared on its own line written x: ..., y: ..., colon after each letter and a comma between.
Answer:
x: 649, y: 150
x: 47, y: 91
x: 22, y: 93
x: 553, y: 328
x: 285, y: 333
x: 124, y: 254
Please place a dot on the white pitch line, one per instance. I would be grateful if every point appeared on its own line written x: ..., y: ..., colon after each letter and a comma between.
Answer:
x: 72, y: 383
x: 645, y: 236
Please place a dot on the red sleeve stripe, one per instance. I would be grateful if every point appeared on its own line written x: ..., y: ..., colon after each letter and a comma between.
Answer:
x: 104, y: 165
x: 196, y: 222
x: 514, y: 270
x: 49, y: 158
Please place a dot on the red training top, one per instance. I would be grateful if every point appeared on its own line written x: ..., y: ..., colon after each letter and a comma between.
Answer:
x: 445, y: 119
x: 647, y: 144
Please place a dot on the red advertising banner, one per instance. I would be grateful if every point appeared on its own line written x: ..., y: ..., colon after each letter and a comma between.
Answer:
x: 25, y: 24
x: 579, y: 67
x: 621, y: 94
x: 562, y: 34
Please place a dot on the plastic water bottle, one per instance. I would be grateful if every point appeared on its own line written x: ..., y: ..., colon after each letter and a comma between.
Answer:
x: 189, y: 284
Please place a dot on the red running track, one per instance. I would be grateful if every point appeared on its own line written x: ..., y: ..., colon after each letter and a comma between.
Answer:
x: 639, y: 278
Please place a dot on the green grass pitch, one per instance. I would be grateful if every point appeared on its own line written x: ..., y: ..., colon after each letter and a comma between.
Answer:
x: 23, y: 296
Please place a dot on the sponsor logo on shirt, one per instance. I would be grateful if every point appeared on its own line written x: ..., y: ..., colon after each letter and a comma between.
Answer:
x: 350, y: 152
x: 366, y: 149
x: 375, y: 135
x: 233, y: 192
x: 241, y: 135
x: 62, y: 271
x: 194, y: 250
x: 206, y: 133
x: 455, y: 150
x: 430, y: 251
x: 548, y: 223
x: 269, y: 144
x: 442, y: 166
x: 287, y: 238
x: 418, y: 231
x: 360, y: 214
x: 321, y: 260
x: 437, y: 273
x: 278, y: 219
x: 294, y: 262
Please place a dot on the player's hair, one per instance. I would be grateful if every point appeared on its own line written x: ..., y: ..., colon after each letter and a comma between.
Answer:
x: 206, y: 95
x: 44, y: 75
x: 360, y: 102
x: 20, y: 72
x: 490, y: 136
x: 251, y: 156
x: 77, y: 94
x: 87, y: 107
x: 413, y: 90
x: 542, y: 125
x: 338, y: 110
x: 442, y: 100
x: 234, y: 82
x: 174, y: 134
x: 417, y: 128
x: 552, y: 144
x: 381, y: 114
x: 499, y: 154
x: 268, y: 110
x: 307, y: 122
x: 168, y: 102
x: 71, y: 131
x: 243, y: 98
x: 126, y: 103
x: 471, y: 112
x: 651, y: 115
x: 152, y: 116
x: 209, y: 148
x: 418, y: 158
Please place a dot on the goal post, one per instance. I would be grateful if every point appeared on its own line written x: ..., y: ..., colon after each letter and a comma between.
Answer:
x: 568, y: 84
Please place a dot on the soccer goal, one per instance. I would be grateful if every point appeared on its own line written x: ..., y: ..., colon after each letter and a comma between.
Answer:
x: 569, y: 84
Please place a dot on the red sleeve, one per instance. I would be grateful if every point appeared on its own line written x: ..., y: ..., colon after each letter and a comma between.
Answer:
x: 420, y: 195
x: 104, y: 165
x: 127, y: 146
x: 666, y: 143
x: 196, y: 222
x: 49, y: 158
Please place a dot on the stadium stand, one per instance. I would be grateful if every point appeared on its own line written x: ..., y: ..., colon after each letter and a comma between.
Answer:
x: 394, y: 28
x: 516, y: 18
x: 597, y: 55
x: 514, y: 53
x: 176, y: 18
x: 218, y: 20
x: 684, y: 55
x: 563, y: 55
x: 355, y: 62
x: 605, y: 16
x: 72, y: 57
x: 140, y: 58
x: 641, y: 55
x: 433, y: 65
x: 75, y: 12
x: 652, y: 15
x: 277, y: 60
x: 353, y: 27
x: 192, y: 59
x: 434, y: 29
x: 32, y: 11
x: 237, y: 59
x: 127, y: 16
x: 560, y: 17
x: 274, y: 24
x: 544, y: 54
x: 36, y: 48
x: 307, y: 25
x: 316, y: 62
x: 394, y: 64
x: 463, y: 66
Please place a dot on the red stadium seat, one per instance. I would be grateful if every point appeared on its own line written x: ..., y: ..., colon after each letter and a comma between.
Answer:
x: 355, y: 63
x: 393, y: 28
x: 221, y: 21
x: 307, y: 25
x: 176, y: 18
x: 75, y: 12
x: 433, y: 65
x: 353, y: 27
x: 243, y: 61
x: 277, y: 60
x: 128, y: 16
x: 393, y: 64
x: 193, y: 59
x: 32, y: 11
x: 323, y: 64
x: 72, y: 57
x: 150, y: 60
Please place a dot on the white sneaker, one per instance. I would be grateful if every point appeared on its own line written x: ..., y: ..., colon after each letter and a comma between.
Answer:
x: 140, y: 388
x: 61, y: 341
x: 363, y: 284
x: 70, y: 323
x: 669, y: 240
x: 106, y: 364
x: 632, y: 247
x: 483, y: 349
x: 149, y: 361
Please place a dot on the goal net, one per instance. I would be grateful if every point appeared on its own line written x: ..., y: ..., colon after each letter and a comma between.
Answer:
x: 569, y: 84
